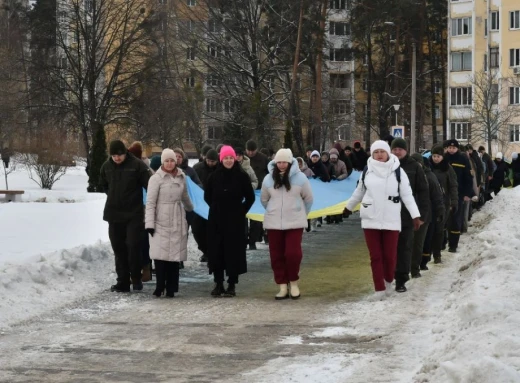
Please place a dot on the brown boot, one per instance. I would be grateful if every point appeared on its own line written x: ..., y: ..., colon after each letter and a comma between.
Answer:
x: 147, y: 274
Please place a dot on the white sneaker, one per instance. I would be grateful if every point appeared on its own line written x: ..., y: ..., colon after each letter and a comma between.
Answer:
x: 389, y: 288
x: 377, y: 296
x: 295, y: 291
x: 282, y: 294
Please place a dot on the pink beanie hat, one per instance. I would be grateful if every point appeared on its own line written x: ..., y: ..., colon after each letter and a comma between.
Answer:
x: 227, y: 150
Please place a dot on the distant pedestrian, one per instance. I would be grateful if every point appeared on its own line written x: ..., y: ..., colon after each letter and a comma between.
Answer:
x: 230, y: 196
x: 381, y: 193
x: 6, y: 157
x: 166, y: 222
x: 287, y: 197
x: 123, y: 178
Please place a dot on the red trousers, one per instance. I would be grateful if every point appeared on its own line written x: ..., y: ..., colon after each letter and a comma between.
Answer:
x: 382, y: 245
x: 285, y: 249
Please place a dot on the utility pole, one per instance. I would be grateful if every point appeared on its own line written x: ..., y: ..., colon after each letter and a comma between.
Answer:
x: 414, y: 96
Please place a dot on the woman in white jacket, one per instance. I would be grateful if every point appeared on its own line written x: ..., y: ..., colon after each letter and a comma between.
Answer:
x: 166, y: 223
x: 381, y: 196
x: 287, y: 198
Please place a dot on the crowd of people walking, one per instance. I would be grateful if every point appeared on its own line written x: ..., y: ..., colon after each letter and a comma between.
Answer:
x: 412, y: 207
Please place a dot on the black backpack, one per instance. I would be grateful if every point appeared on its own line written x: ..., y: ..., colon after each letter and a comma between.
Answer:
x: 397, y: 176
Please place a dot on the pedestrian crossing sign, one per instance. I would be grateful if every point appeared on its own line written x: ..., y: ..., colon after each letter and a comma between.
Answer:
x: 398, y: 131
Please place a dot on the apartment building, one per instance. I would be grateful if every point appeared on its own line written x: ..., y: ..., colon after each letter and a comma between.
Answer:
x: 484, y: 73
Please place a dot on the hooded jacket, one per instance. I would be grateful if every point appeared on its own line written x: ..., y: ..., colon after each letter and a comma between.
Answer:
x: 462, y: 167
x: 377, y: 210
x: 305, y: 169
x: 319, y: 170
x: 286, y: 209
x: 447, y: 181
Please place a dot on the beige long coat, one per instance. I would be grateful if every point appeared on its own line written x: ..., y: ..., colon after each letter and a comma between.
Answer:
x: 166, y: 203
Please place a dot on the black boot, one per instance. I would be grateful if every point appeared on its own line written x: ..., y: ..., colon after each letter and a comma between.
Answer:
x: 160, y: 280
x: 230, y: 292
x: 437, y: 260
x: 218, y: 290
x: 120, y: 288
x: 400, y: 287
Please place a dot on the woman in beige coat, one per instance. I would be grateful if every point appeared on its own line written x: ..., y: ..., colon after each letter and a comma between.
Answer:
x: 166, y: 222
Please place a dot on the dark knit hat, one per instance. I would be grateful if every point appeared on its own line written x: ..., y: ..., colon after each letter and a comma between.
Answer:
x: 136, y: 149
x: 452, y: 142
x: 480, y: 148
x: 155, y: 162
x: 389, y: 139
x: 438, y: 149
x: 309, y: 148
x: 117, y: 147
x: 205, y: 149
x: 251, y: 145
x: 348, y: 148
x: 212, y: 155
x: 239, y: 151
x: 417, y: 157
x: 219, y: 146
x: 399, y: 143
x: 469, y: 147
x: 357, y: 145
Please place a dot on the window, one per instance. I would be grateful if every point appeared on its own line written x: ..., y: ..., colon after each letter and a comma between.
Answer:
x: 213, y: 105
x: 437, y: 86
x: 460, y: 130
x: 493, y: 94
x: 214, y: 132
x: 191, y: 3
x: 190, y: 82
x: 461, y: 27
x: 339, y: 81
x: 514, y: 57
x: 339, y: 29
x: 62, y: 17
x: 190, y: 54
x: 495, y: 23
x: 213, y: 80
x: 461, y: 61
x: 162, y: 51
x: 514, y: 20
x: 495, y: 58
x: 514, y: 133
x: 62, y: 62
x: 341, y: 107
x: 514, y: 95
x: 364, y: 84
x: 89, y: 6
x: 365, y: 60
x: 460, y: 96
x: 437, y: 112
x: 213, y: 26
x: 339, y: 54
x: 214, y: 51
x: 230, y: 106
x: 340, y: 4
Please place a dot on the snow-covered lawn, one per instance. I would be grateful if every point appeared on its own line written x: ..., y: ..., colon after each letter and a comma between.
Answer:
x: 459, y: 323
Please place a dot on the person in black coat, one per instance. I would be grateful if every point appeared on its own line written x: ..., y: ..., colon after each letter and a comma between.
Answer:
x: 361, y: 157
x: 318, y: 168
x: 515, y: 167
x: 122, y: 178
x: 229, y: 195
x: 500, y: 173
x: 462, y: 167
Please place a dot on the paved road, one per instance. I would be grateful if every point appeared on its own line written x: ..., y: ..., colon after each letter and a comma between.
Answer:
x: 194, y: 337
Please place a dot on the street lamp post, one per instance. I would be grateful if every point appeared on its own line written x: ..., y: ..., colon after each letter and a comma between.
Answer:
x: 414, y: 91
x: 396, y: 108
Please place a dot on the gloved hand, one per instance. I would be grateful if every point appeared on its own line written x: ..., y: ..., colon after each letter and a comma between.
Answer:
x: 417, y: 223
x: 346, y: 213
x: 150, y: 231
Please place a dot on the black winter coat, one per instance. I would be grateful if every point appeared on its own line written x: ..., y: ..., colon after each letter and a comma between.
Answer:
x: 478, y: 166
x: 448, y: 181
x: 436, y: 195
x: 515, y: 167
x: 319, y: 170
x: 361, y: 159
x: 420, y: 189
x: 462, y: 167
x: 188, y: 170
x: 330, y: 169
x: 489, y: 165
x: 500, y: 174
x: 203, y: 172
x: 230, y: 196
x: 259, y: 164
x: 124, y: 185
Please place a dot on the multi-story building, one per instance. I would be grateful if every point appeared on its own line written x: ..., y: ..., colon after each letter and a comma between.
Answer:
x: 484, y: 73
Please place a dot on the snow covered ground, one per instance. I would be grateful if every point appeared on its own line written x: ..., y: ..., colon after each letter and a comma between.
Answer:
x: 460, y: 323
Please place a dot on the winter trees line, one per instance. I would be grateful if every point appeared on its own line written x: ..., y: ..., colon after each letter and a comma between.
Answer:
x: 172, y: 71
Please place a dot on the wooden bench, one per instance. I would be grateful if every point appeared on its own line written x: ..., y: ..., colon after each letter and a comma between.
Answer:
x: 12, y: 195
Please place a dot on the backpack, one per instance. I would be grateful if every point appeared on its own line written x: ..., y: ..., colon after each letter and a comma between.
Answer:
x: 397, y: 176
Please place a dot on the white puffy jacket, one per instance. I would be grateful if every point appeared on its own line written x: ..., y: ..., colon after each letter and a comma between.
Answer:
x: 377, y: 210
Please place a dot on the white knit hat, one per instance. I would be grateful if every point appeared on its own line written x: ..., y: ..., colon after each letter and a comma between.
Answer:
x: 167, y: 154
x: 283, y: 155
x: 380, y: 145
x: 315, y: 153
x: 499, y: 155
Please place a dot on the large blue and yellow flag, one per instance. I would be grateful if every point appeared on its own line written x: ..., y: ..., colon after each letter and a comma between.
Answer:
x: 329, y: 198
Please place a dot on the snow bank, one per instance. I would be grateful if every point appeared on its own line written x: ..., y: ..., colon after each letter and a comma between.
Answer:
x: 477, y: 334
